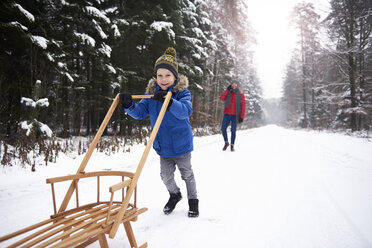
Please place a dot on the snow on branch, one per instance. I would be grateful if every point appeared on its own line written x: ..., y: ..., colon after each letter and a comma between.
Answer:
x: 26, y: 127
x: 212, y: 44
x: 50, y: 58
x: 355, y: 110
x: 44, y: 102
x: 105, y: 49
x: 40, y: 41
x: 69, y: 77
x: 110, y: 10
x: 194, y: 41
x: 100, y: 31
x: 160, y: 25
x: 18, y: 25
x: 206, y: 21
x: 97, y: 13
x: 122, y: 22
x: 111, y: 69
x: 199, y: 86
x: 116, y: 31
x: 43, y: 128
x: 199, y: 33
x: 198, y: 70
x: 85, y: 38
x: 31, y: 103
x: 27, y: 14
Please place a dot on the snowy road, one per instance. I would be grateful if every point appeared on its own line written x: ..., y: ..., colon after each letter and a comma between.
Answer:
x: 280, y: 188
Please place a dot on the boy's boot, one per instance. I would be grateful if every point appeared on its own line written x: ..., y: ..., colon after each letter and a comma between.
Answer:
x: 193, y: 208
x: 226, y: 146
x: 172, y: 202
x: 232, y: 148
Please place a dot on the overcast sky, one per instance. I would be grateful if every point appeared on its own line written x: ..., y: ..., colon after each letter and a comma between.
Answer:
x: 276, y: 39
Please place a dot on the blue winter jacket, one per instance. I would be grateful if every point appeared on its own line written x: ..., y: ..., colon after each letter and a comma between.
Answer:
x: 174, y: 137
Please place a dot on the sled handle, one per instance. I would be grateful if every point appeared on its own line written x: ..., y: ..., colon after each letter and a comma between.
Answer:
x: 119, y: 216
x: 93, y: 145
x: 141, y: 96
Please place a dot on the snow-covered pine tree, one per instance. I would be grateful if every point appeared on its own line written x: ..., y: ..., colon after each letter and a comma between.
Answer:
x: 193, y: 46
x: 306, y: 21
x: 292, y: 91
x: 350, y: 28
x: 220, y: 62
x: 85, y: 69
x: 25, y: 57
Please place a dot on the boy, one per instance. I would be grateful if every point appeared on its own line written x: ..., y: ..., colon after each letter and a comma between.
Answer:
x: 174, y: 140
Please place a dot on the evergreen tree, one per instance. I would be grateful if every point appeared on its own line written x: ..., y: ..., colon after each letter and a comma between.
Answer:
x: 24, y: 57
x: 307, y: 22
x: 350, y: 28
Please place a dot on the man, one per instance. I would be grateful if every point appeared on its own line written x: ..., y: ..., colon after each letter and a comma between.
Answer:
x: 234, y: 111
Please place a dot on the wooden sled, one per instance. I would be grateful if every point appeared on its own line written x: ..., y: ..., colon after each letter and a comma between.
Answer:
x: 83, y: 225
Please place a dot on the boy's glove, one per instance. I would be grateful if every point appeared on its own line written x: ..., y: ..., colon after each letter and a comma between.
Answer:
x: 240, y: 120
x: 229, y: 87
x: 126, y: 100
x: 159, y: 96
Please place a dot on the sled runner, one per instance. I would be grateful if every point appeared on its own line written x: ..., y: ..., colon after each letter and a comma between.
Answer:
x: 83, y: 225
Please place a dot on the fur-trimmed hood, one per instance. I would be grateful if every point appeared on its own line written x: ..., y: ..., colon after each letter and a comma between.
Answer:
x: 182, y: 84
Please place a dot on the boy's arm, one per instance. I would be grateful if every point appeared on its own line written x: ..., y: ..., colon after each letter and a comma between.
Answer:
x: 182, y: 108
x: 138, y: 110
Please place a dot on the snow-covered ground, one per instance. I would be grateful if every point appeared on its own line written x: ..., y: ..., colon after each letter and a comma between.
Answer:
x: 280, y: 188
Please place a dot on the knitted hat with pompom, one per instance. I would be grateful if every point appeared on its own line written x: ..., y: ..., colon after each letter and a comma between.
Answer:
x: 168, y: 61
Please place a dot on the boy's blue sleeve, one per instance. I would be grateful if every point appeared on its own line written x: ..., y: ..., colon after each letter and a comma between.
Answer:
x: 182, y: 108
x: 138, y: 110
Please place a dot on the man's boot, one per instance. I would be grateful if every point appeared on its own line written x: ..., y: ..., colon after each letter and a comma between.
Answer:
x: 172, y: 202
x: 193, y: 208
x: 226, y: 146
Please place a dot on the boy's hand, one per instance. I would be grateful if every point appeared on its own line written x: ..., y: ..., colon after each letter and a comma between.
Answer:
x: 126, y: 100
x: 240, y: 120
x: 229, y: 87
x: 159, y: 96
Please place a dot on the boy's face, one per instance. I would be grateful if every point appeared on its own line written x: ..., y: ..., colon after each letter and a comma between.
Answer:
x: 234, y: 85
x: 165, y: 78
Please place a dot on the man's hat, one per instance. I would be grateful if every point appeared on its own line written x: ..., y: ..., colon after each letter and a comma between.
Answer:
x: 235, y: 81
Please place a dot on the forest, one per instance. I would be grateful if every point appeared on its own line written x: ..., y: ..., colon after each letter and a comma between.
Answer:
x: 64, y: 61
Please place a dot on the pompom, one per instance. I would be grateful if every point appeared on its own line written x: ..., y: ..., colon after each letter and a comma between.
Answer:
x: 170, y: 51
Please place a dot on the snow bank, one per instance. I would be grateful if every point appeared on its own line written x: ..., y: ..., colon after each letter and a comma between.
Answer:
x: 280, y: 188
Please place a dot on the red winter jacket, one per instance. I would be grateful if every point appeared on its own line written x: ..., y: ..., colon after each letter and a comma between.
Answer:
x: 231, y: 108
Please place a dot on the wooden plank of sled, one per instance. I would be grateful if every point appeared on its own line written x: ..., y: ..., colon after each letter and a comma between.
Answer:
x: 76, y: 225
x: 89, y: 174
x: 61, y: 226
x: 93, y: 231
x: 90, y: 229
x: 56, y: 221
